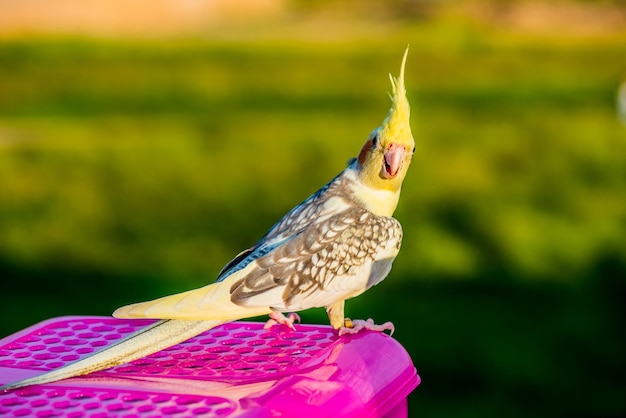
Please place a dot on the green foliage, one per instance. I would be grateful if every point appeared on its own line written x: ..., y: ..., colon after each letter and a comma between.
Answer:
x: 129, y: 170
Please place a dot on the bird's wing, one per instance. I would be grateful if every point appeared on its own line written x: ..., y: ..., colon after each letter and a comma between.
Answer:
x: 332, y: 260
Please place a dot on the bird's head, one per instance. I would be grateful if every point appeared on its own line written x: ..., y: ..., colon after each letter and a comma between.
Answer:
x: 386, y: 155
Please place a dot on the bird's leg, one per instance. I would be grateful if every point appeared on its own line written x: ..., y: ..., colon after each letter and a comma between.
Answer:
x: 278, y: 318
x: 335, y: 314
x: 352, y: 327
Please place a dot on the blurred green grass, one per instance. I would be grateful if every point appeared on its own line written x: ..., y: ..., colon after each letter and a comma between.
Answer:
x: 133, y: 169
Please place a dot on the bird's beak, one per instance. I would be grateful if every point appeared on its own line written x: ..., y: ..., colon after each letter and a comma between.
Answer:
x: 394, y: 156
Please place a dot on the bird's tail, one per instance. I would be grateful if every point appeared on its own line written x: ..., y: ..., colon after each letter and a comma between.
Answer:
x: 148, y: 340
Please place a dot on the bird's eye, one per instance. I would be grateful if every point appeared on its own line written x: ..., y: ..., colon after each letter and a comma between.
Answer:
x: 374, y: 140
x: 413, y: 150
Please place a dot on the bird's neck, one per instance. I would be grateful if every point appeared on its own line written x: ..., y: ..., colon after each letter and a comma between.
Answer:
x: 380, y: 202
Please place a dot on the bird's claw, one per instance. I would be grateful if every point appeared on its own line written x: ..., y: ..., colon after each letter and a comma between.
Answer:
x: 279, y: 318
x: 354, y: 326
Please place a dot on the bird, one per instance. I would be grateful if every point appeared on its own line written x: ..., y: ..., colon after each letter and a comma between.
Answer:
x: 335, y: 245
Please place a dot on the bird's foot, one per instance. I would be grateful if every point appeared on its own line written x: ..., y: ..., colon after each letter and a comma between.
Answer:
x: 352, y: 327
x: 279, y: 318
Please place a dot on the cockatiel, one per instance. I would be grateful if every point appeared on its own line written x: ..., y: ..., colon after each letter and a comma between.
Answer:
x: 333, y: 246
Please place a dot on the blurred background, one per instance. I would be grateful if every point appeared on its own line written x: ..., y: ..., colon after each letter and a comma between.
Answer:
x: 145, y: 143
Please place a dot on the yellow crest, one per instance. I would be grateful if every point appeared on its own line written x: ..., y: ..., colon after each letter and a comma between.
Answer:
x: 384, y: 159
x: 397, y: 125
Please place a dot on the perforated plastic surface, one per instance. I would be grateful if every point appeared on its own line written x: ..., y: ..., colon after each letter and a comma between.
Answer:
x: 235, y: 369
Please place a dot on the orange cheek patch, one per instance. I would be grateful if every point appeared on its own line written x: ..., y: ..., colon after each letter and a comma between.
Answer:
x: 364, y: 151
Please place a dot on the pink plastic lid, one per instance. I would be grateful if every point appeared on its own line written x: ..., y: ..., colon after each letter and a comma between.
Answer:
x: 237, y: 369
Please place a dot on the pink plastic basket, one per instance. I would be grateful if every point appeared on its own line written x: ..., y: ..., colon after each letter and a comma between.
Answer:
x: 237, y: 369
